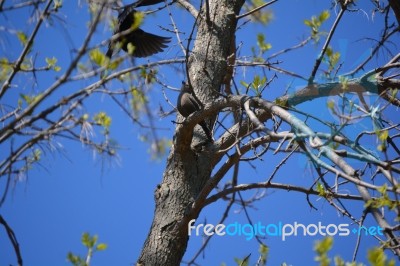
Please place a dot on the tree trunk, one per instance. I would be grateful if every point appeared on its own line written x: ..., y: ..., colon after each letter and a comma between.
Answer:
x: 188, y: 170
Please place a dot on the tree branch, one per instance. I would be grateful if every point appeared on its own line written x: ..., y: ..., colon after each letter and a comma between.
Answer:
x: 280, y: 186
x: 325, y: 47
x: 256, y: 9
x: 13, y: 240
x: 24, y: 52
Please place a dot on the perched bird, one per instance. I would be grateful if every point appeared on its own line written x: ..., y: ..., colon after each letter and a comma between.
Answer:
x: 145, y: 44
x: 188, y: 104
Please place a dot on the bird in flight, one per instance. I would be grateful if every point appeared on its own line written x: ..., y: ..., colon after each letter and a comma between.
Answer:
x: 146, y: 44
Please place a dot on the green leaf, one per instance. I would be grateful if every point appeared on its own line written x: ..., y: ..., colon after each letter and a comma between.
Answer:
x: 148, y: 74
x: 322, y: 248
x: 51, y: 63
x: 86, y: 239
x: 315, y: 23
x: 280, y: 102
x: 72, y: 258
x: 244, y: 84
x: 261, y: 43
x: 258, y: 83
x: 138, y: 99
x: 382, y: 147
x: 263, y: 250
x: 93, y: 241
x: 324, y: 245
x: 377, y: 257
x: 36, y: 155
x: 308, y: 22
x: 99, y: 58
x: 324, y: 16
x: 103, y: 120
x: 58, y: 4
x: 76, y: 260
x: 339, y: 261
x: 115, y: 63
x: 30, y: 99
x: 22, y: 38
x: 344, y: 81
x: 331, y: 58
x: 89, y: 241
x: 383, y: 189
x: 330, y: 104
x: 242, y: 262
x: 263, y: 16
x: 321, y: 190
x: 329, y: 51
x: 5, y: 68
x: 131, y: 48
x: 394, y: 92
x: 383, y: 135
x: 101, y: 246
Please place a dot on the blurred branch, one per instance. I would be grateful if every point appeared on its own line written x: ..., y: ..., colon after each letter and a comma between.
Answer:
x: 189, y: 7
x: 17, y: 67
x: 13, y: 240
x: 395, y: 5
x: 284, y: 51
x: 256, y: 9
x: 374, y: 51
x: 20, y: 5
x: 358, y: 85
x: 10, y: 128
x: 269, y: 65
x: 326, y: 45
x: 280, y: 186
x: 344, y: 169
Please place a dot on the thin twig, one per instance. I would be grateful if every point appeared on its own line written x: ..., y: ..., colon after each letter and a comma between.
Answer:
x: 256, y: 9
x: 325, y: 47
x: 25, y: 51
x: 13, y: 240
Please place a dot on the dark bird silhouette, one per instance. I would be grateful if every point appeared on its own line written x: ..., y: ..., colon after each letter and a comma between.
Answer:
x: 188, y: 104
x: 145, y: 43
x: 145, y: 3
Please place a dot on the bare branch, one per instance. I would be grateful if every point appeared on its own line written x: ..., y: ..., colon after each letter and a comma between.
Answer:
x: 256, y: 9
x: 13, y: 240
x: 24, y: 52
x: 326, y: 45
x: 272, y: 185
x: 189, y: 7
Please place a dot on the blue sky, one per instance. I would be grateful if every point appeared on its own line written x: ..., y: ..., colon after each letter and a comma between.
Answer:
x: 72, y: 191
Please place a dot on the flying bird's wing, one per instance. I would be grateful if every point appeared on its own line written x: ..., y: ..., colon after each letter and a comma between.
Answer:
x: 146, y: 44
x: 147, y: 2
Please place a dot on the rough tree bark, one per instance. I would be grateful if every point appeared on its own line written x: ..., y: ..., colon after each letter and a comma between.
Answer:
x: 188, y: 170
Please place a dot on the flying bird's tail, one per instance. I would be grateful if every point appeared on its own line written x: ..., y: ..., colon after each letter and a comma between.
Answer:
x: 109, y: 51
x: 147, y: 2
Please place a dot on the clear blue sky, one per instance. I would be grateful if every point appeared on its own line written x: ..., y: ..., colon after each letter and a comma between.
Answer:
x: 72, y: 192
